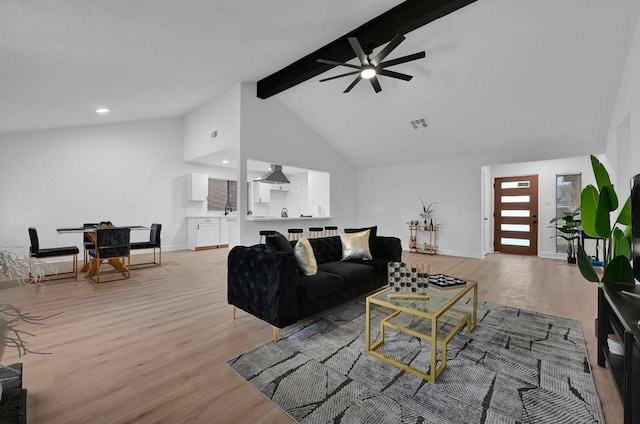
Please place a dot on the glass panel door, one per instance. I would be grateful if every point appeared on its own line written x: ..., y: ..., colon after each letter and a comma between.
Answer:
x: 516, y: 215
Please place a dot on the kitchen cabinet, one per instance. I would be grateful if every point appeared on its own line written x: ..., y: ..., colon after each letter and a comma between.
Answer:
x: 224, y: 231
x: 280, y: 187
x: 197, y: 187
x: 261, y: 192
x: 207, y: 233
x: 617, y: 320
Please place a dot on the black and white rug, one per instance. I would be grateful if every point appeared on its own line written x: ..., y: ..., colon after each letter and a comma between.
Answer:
x: 517, y: 366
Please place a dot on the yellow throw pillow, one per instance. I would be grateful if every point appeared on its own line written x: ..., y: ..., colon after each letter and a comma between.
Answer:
x: 356, y: 246
x: 306, y: 259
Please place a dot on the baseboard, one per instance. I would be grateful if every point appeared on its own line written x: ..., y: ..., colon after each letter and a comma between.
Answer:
x: 552, y: 255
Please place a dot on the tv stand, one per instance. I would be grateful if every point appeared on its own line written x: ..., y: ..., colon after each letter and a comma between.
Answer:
x: 618, y: 313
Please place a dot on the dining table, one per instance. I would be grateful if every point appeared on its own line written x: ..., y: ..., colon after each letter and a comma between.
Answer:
x: 90, y: 268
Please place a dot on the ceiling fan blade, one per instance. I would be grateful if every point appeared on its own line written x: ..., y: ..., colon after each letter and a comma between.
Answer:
x: 340, y: 76
x: 403, y: 59
x: 353, y: 84
x: 392, y: 74
x: 332, y: 62
x: 355, y: 45
x: 387, y: 49
x: 375, y: 84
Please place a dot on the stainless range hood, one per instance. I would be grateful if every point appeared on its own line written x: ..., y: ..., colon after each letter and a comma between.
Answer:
x: 275, y: 176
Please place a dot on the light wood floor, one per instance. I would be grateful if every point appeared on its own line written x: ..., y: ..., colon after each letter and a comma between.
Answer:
x: 152, y: 349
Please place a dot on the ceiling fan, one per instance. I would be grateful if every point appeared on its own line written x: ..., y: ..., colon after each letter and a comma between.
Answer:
x: 370, y: 68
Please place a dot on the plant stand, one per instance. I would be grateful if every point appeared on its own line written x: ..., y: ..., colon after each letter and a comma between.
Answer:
x: 13, y: 405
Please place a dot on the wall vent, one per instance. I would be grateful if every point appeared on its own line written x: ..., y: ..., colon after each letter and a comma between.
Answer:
x: 419, y: 123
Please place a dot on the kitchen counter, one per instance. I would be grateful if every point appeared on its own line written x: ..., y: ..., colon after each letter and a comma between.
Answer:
x: 233, y: 217
x: 291, y: 218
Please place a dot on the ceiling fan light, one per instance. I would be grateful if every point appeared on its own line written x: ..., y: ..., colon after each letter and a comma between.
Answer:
x: 368, y: 73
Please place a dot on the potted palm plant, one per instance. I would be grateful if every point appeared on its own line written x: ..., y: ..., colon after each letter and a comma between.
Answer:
x: 596, y: 206
x: 569, y: 227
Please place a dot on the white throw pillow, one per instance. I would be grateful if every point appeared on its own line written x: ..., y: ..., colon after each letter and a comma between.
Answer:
x: 356, y: 246
x: 306, y: 259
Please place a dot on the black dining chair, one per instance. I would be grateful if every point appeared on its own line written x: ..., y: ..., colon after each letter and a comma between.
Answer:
x: 87, y: 243
x: 114, y: 245
x: 153, y: 243
x: 35, y: 251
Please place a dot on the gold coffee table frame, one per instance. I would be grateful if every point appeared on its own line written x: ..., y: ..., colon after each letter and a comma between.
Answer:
x: 440, y: 303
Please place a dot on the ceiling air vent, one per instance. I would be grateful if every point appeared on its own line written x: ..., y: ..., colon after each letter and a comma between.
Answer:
x: 419, y: 123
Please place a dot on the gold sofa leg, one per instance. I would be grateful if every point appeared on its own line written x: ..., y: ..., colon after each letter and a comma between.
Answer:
x: 275, y: 334
x: 234, y: 312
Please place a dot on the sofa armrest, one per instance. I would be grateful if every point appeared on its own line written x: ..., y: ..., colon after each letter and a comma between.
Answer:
x: 263, y: 283
x: 389, y: 248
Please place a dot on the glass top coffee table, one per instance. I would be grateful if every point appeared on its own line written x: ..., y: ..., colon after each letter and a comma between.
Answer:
x: 421, y: 318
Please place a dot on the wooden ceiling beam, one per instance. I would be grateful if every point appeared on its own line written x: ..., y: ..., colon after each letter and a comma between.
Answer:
x: 402, y: 19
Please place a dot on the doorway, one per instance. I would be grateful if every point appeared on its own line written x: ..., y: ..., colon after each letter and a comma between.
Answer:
x: 516, y: 215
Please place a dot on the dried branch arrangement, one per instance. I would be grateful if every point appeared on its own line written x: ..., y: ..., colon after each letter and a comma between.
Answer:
x: 25, y: 270
x: 11, y: 336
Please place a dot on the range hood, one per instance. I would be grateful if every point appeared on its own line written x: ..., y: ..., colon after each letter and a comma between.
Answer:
x: 275, y: 176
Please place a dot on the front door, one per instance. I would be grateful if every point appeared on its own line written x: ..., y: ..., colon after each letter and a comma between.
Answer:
x: 516, y: 215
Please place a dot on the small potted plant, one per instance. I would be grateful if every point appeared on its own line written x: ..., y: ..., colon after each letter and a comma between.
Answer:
x: 569, y: 227
x: 426, y: 211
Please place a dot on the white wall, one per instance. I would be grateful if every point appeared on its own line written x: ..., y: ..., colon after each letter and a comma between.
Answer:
x: 221, y: 114
x: 272, y: 133
x: 319, y: 193
x: 623, y: 137
x: 128, y: 173
x: 390, y: 197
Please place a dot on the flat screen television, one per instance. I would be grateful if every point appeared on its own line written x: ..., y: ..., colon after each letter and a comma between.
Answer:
x: 635, y: 224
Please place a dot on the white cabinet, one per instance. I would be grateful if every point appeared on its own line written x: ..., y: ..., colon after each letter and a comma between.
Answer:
x: 197, y: 187
x: 261, y: 192
x: 207, y: 232
x: 224, y: 231
x: 280, y: 187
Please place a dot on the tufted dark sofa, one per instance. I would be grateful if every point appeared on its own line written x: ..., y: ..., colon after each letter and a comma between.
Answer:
x: 268, y: 284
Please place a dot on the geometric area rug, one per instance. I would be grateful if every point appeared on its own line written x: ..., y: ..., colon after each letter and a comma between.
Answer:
x: 516, y: 366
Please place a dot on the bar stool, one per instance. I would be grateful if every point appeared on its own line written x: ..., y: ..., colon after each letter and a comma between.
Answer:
x: 265, y: 233
x: 315, y: 232
x: 295, y: 233
x: 330, y: 230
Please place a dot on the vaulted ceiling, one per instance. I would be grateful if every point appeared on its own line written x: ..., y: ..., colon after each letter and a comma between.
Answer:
x: 499, y: 74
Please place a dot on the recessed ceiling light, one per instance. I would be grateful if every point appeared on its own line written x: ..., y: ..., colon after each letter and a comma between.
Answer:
x: 225, y: 161
x: 102, y: 110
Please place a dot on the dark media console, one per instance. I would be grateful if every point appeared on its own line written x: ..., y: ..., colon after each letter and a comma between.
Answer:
x: 619, y: 317
x: 618, y: 313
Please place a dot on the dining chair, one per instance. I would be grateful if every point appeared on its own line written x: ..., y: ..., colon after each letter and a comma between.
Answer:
x: 113, y: 245
x: 35, y: 251
x: 153, y: 243
x: 87, y: 243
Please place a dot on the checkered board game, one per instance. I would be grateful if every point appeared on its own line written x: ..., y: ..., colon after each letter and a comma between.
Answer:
x: 407, y: 281
x: 442, y: 281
